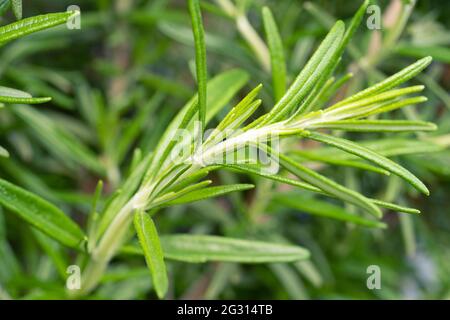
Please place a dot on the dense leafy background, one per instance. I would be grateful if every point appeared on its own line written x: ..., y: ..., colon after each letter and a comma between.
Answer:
x: 118, y: 81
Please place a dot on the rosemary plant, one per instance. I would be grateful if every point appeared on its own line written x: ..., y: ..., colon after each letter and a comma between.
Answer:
x: 176, y: 171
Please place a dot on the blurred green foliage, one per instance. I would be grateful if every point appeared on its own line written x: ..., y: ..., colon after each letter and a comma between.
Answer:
x: 118, y: 81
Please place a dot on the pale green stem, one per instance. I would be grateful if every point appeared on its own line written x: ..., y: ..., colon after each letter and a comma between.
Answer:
x: 110, y: 243
x: 248, y: 33
x: 256, y: 43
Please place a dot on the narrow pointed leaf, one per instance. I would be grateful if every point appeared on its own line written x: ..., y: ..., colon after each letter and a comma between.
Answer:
x: 354, y: 24
x: 257, y: 170
x: 153, y: 253
x: 391, y: 82
x: 329, y: 186
x: 10, y: 95
x: 206, y: 193
x: 171, y: 196
x: 277, y: 60
x: 325, y: 209
x: 386, y: 147
x: 200, y: 58
x: 339, y: 162
x: 378, y: 125
x: 395, y: 207
x: 33, y: 24
x: 341, y: 107
x: 221, y: 89
x: 40, y: 214
x: 372, y: 156
x: 202, y: 248
x: 309, y: 76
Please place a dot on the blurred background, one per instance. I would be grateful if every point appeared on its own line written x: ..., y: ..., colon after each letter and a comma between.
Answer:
x: 119, y: 80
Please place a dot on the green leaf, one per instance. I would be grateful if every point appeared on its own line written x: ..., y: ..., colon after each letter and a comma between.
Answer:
x: 221, y: 89
x: 33, y: 24
x: 329, y: 186
x: 370, y: 155
x: 338, y: 162
x: 10, y: 95
x: 325, y: 95
x: 438, y: 53
x: 395, y: 207
x: 321, y: 89
x: 259, y: 171
x: 377, y: 125
x: 371, y: 101
x: 206, y: 193
x: 40, y: 214
x: 386, y: 147
x: 237, y: 115
x: 311, y: 102
x: 190, y: 179
x: 309, y: 76
x: 324, y: 209
x: 277, y: 60
x: 391, y: 82
x: 203, y: 248
x: 256, y: 170
x: 172, y: 195
x: 17, y: 8
x: 354, y: 23
x: 154, y: 257
x: 200, y: 58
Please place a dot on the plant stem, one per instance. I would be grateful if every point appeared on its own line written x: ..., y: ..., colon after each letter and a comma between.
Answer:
x: 111, y: 241
x: 248, y: 33
x: 258, y: 46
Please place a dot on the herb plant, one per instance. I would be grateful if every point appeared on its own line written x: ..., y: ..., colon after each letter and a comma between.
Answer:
x: 248, y: 140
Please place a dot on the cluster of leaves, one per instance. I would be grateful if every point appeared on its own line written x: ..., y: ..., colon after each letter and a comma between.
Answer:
x: 153, y: 182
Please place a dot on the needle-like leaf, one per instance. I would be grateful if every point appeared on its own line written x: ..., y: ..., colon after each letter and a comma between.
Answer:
x: 210, y: 192
x: 41, y: 214
x: 221, y: 89
x: 33, y: 24
x: 309, y: 76
x: 153, y: 253
x: 329, y: 186
x: 10, y: 95
x: 389, y: 83
x: 369, y: 155
x: 202, y: 248
x: 200, y: 58
x: 324, y: 209
x: 277, y: 60
x: 378, y: 125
